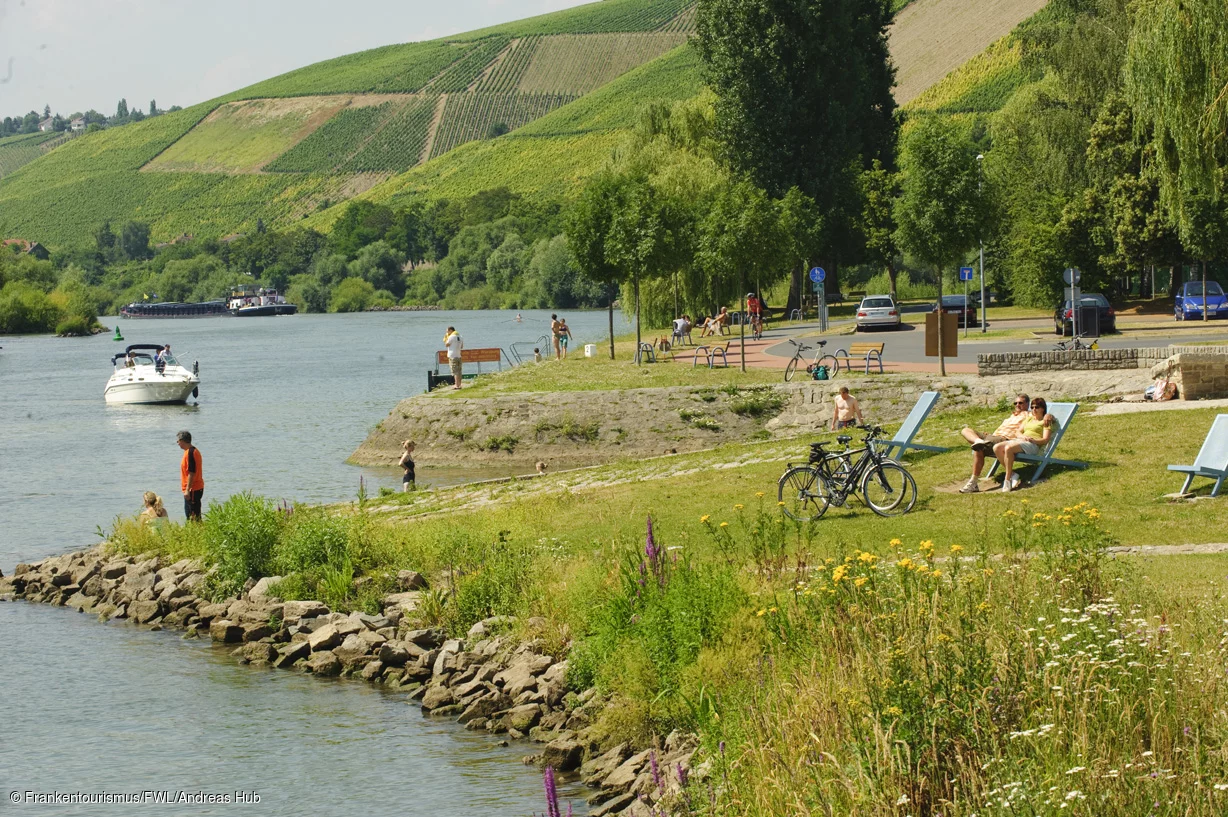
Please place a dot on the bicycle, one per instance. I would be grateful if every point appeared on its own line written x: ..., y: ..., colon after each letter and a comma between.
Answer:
x: 820, y: 359
x: 756, y: 326
x: 1076, y: 344
x: 884, y: 485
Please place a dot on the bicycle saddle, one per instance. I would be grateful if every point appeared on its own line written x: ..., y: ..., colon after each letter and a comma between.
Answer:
x: 822, y: 343
x: 844, y: 439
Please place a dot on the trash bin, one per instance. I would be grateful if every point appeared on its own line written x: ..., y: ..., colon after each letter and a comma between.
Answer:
x: 1089, y: 321
x: 590, y: 350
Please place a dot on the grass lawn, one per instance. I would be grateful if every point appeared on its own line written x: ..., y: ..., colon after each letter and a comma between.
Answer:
x: 578, y: 373
x: 1126, y: 481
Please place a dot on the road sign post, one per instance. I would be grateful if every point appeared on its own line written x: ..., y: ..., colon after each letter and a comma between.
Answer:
x: 817, y: 276
x: 1072, y: 276
x: 965, y: 275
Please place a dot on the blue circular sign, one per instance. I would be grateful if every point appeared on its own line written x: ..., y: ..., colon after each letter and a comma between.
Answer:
x: 818, y: 274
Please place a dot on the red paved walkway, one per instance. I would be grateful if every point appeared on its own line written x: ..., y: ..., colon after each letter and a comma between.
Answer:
x: 757, y: 357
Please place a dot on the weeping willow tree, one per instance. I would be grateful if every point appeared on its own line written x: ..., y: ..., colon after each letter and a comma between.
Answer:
x: 1177, y: 82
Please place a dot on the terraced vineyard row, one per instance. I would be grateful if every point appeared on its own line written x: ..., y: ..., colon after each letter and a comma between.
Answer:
x: 579, y: 63
x: 506, y: 76
x: 398, y: 144
x: 981, y: 85
x: 391, y: 69
x: 608, y: 16
x: 17, y: 151
x: 462, y: 73
x: 468, y: 117
x: 333, y: 142
x: 684, y: 23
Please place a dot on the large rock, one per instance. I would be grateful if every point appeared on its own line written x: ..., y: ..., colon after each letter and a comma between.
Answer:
x: 293, y: 611
x: 353, y: 651
x: 612, y: 806
x: 259, y: 652
x: 625, y: 775
x: 291, y: 653
x: 404, y: 602
x: 324, y: 663
x: 483, y: 707
x: 594, y: 771
x: 563, y: 754
x: 394, y: 654
x: 522, y: 674
x: 437, y: 696
x: 143, y: 611
x: 260, y: 591
x: 411, y: 580
x: 371, y: 670
x: 324, y: 638
x: 223, y: 630
x: 211, y: 611
x: 522, y: 718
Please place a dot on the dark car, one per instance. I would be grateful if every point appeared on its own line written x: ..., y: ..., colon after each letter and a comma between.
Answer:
x: 1063, y: 320
x: 960, y: 306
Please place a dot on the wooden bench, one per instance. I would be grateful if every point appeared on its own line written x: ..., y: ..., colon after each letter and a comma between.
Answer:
x: 867, y: 352
x: 476, y: 356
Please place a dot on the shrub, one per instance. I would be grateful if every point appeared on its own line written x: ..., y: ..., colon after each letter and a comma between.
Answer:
x: 351, y: 295
x: 240, y: 537
x: 504, y: 442
x: 74, y: 327
x: 311, y: 539
x: 758, y: 403
x: 26, y: 308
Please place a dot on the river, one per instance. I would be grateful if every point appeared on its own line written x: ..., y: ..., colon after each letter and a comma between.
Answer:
x: 283, y: 402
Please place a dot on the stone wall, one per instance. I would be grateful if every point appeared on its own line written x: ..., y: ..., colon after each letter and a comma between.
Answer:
x: 1099, y: 360
x: 1198, y: 376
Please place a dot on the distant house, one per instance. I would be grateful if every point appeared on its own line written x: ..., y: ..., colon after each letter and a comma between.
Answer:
x: 77, y: 125
x: 47, y: 125
x: 26, y: 247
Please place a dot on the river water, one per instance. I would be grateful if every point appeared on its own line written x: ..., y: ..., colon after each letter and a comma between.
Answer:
x: 283, y: 401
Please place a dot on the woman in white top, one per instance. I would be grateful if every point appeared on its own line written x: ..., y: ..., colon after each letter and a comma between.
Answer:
x: 848, y: 411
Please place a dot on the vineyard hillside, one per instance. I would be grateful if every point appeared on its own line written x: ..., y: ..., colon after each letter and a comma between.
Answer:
x: 18, y: 151
x: 536, y: 105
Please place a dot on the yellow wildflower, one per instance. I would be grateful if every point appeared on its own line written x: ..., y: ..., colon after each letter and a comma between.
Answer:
x: 838, y: 574
x: 780, y: 504
x: 1010, y: 513
x: 1034, y: 524
x: 894, y: 711
x: 895, y: 543
x: 771, y: 609
x: 1038, y: 515
x: 868, y: 558
x: 1023, y: 502
x: 983, y: 606
x: 957, y: 548
x: 936, y: 573
x: 760, y: 494
x: 724, y: 524
x: 905, y: 563
x: 738, y: 507
x: 705, y: 518
x: 860, y: 580
x: 761, y: 613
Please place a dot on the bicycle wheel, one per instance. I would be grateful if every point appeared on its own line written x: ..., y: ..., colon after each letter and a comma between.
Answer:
x: 889, y: 489
x: 833, y: 365
x: 790, y: 369
x: 804, y: 492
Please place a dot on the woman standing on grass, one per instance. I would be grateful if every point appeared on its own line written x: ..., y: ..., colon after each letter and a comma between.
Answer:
x: 409, y: 479
x: 564, y: 336
x: 555, y: 324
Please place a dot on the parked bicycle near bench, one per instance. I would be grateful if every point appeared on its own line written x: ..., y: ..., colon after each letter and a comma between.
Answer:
x: 830, y: 478
x: 820, y: 359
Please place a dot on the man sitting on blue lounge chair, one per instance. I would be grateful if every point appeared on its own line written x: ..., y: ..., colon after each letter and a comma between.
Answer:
x: 982, y: 445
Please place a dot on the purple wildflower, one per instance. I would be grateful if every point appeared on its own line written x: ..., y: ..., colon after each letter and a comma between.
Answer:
x: 650, y: 547
x: 683, y: 774
x: 552, y: 793
x: 656, y: 771
x: 722, y: 747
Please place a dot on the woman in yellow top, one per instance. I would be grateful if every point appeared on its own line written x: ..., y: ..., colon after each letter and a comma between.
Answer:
x: 1033, y: 433
x: 153, y: 510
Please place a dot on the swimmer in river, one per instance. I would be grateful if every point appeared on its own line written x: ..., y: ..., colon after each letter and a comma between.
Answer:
x: 518, y: 318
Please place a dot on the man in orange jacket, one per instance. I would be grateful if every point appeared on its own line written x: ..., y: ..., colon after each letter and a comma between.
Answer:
x: 191, y: 476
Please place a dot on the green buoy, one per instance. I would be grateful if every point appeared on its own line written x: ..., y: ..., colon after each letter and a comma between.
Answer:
x: 118, y: 336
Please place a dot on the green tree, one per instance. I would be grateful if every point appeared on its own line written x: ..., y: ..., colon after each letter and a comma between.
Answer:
x: 941, y: 207
x: 803, y: 92
x: 134, y: 240
x: 588, y: 230
x: 351, y: 295
x: 153, y: 107
x: 379, y: 265
x: 1176, y: 64
x: 879, y: 190
x: 641, y: 238
x: 361, y: 223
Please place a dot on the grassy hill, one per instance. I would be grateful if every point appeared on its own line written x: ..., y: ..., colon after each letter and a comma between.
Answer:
x: 535, y: 105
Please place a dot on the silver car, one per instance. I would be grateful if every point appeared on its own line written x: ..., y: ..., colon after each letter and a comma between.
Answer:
x: 878, y: 311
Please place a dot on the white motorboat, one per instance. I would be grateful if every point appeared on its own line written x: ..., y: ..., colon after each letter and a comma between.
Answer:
x: 141, y: 377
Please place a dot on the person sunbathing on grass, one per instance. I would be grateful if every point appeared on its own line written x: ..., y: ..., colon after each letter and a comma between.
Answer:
x: 982, y: 445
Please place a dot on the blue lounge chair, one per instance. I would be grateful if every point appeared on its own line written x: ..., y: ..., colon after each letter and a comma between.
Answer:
x: 1062, y: 414
x: 912, y: 423
x: 1212, y: 459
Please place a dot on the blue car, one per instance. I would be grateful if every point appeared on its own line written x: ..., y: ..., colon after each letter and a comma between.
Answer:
x: 1188, y: 305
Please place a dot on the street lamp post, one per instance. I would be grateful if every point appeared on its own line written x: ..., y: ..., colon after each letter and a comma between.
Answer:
x: 980, y: 158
